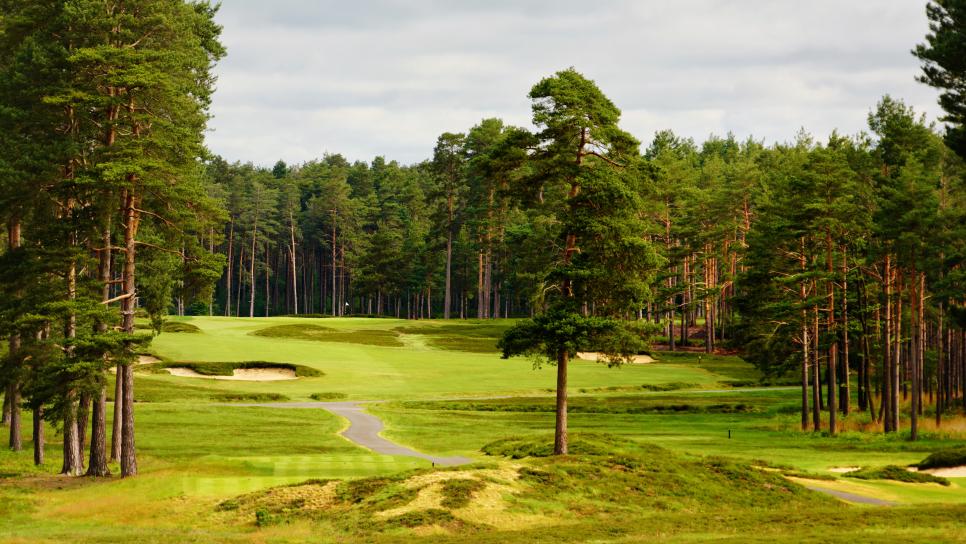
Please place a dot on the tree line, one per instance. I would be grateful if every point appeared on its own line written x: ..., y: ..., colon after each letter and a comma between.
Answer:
x: 839, y: 262
x: 841, y: 259
x: 104, y: 199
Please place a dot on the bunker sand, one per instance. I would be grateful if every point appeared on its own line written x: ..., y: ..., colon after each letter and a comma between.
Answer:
x: 240, y: 374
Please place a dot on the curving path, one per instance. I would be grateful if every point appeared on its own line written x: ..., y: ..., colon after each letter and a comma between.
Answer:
x: 364, y: 430
x: 851, y: 497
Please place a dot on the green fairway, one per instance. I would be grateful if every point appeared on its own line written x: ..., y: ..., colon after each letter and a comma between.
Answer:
x: 445, y: 391
x: 412, y: 371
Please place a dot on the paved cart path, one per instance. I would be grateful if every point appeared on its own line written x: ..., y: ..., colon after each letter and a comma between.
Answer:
x: 851, y: 497
x: 364, y: 430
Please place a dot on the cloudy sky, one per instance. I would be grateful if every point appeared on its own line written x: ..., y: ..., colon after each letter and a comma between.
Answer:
x: 386, y: 77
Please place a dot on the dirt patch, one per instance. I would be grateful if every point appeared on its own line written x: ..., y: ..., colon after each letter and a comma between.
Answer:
x: 600, y: 357
x: 240, y: 374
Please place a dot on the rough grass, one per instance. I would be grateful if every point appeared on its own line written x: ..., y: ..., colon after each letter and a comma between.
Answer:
x: 179, y: 326
x: 318, y: 333
x: 542, y: 446
x: 672, y: 386
x: 249, y: 397
x: 227, y: 369
x: 952, y: 457
x: 896, y: 473
x: 458, y: 492
x: 606, y: 479
x: 596, y: 405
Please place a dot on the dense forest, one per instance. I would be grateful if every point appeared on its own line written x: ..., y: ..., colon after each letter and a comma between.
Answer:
x: 846, y: 252
x: 839, y: 262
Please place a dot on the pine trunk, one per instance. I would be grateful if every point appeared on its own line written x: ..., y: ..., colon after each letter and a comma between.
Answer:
x: 231, y: 263
x: 39, y: 452
x: 72, y: 465
x: 128, y: 457
x: 12, y: 397
x: 97, y: 466
x: 560, y: 427
x: 295, y: 291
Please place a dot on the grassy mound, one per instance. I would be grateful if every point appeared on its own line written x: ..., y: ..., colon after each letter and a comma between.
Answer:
x: 595, y: 405
x: 579, y: 444
x: 897, y: 473
x: 952, y: 457
x: 612, y: 477
x: 178, y: 326
x: 319, y: 333
x: 472, y: 337
x: 328, y: 395
x: 249, y: 397
x: 227, y: 369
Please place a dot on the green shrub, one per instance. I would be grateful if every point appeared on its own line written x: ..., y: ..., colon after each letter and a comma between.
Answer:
x: 897, y: 473
x: 458, y: 492
x: 178, y: 326
x: 419, y: 518
x: 579, y: 444
x: 249, y: 397
x: 327, y: 396
x: 952, y: 457
x: 318, y: 333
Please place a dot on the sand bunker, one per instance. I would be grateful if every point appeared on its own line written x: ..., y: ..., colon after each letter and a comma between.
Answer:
x: 951, y: 472
x: 147, y: 360
x: 595, y: 356
x: 240, y: 374
x: 843, y: 470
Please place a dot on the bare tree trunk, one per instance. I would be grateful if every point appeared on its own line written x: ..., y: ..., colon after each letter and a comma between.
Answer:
x: 98, y: 459
x: 335, y: 298
x: 132, y: 221
x: 238, y: 292
x: 560, y: 427
x: 231, y: 263
x: 116, y: 426
x: 83, y: 415
x: 833, y: 350
x: 845, y: 393
x: 97, y: 463
x: 72, y: 465
x: 13, y: 389
x: 897, y: 354
x: 806, y: 344
x: 39, y: 452
x: 267, y: 286
x: 295, y: 291
x: 480, y: 312
x: 917, y: 358
x: 5, y: 420
x: 816, y: 379
x: 448, y: 295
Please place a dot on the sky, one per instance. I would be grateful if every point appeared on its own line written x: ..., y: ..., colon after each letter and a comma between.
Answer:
x: 369, y: 78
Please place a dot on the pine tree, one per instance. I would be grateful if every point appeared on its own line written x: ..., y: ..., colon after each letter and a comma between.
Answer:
x: 583, y: 167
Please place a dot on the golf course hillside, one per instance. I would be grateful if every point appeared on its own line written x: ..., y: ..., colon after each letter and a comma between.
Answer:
x: 688, y: 445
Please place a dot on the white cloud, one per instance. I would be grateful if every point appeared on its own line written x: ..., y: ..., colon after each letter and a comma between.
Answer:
x: 385, y: 77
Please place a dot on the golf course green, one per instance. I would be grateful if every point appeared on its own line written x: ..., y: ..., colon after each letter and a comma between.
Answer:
x: 688, y: 447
